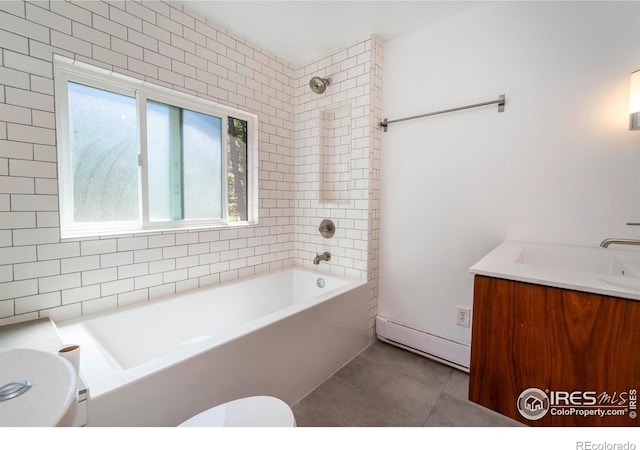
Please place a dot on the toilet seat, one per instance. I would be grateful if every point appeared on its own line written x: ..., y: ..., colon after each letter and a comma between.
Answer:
x: 259, y: 411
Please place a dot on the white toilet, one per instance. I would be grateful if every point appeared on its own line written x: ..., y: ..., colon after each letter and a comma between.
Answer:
x: 260, y: 411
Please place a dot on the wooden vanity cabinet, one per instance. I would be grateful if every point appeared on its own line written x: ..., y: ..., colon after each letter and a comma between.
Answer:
x: 573, y: 346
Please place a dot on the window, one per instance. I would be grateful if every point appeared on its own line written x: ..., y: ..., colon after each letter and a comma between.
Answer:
x: 134, y: 156
x: 185, y: 163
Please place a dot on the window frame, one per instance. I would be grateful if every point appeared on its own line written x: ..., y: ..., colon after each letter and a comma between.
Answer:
x: 67, y: 70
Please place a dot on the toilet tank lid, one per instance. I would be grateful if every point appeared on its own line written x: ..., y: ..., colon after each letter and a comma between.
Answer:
x: 258, y: 411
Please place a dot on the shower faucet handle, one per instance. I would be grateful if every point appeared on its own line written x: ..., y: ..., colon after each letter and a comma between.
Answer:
x: 327, y: 228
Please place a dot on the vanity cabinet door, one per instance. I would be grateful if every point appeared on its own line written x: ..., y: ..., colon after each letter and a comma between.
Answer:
x: 547, y: 356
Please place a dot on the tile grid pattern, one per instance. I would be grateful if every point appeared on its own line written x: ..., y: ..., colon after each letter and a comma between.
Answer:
x: 159, y: 42
x: 356, y: 82
x: 375, y: 150
x: 335, y: 155
x: 349, y: 69
x: 171, y: 46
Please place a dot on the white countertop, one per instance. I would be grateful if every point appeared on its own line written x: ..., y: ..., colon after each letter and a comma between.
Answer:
x: 588, y: 269
x: 39, y: 334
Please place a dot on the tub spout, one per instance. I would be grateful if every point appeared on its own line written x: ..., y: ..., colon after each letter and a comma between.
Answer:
x: 326, y: 256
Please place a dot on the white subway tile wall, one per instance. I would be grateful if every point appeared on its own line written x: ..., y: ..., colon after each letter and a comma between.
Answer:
x: 356, y: 83
x: 335, y: 154
x: 374, y: 179
x: 166, y: 44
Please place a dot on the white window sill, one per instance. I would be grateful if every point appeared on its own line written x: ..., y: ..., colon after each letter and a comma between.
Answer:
x: 76, y: 235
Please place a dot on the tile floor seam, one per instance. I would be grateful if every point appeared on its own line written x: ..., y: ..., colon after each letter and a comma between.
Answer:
x: 431, y: 412
x: 389, y: 386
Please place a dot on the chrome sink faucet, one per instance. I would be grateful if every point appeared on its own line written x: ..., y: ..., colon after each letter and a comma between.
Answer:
x: 607, y: 242
x: 326, y: 256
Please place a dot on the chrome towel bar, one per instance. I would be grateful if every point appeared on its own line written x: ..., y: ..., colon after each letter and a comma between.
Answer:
x: 500, y: 101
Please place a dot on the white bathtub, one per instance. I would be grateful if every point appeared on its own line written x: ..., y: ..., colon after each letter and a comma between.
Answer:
x: 161, y: 362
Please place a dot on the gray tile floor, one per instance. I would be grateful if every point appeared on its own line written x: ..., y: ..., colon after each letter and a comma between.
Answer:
x: 388, y: 386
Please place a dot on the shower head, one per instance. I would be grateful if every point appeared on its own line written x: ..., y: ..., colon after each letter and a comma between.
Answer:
x: 318, y: 85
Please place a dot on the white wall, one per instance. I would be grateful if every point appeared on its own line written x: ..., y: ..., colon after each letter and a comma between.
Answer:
x: 559, y: 165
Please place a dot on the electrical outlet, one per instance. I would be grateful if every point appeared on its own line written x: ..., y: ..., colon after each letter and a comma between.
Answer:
x: 463, y: 316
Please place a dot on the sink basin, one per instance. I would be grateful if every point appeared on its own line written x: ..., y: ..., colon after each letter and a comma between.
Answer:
x: 50, y: 400
x: 597, y: 270
x: 602, y: 263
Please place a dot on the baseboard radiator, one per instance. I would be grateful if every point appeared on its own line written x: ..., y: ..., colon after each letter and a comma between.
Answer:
x: 430, y: 345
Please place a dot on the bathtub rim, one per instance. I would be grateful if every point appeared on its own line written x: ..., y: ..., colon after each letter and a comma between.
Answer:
x: 105, y: 374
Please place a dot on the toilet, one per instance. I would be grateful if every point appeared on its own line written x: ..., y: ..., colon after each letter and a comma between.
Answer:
x: 259, y: 411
